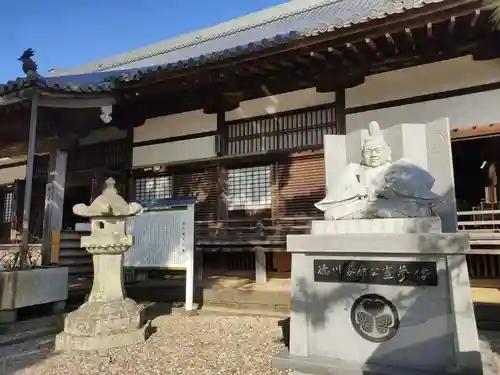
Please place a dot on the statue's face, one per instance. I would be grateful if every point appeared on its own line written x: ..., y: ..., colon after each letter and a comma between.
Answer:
x: 375, y: 153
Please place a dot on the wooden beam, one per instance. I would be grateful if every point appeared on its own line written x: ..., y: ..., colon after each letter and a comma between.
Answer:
x: 76, y: 102
x: 9, y: 100
x: 475, y: 132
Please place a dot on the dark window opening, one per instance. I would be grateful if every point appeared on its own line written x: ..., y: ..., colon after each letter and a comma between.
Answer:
x: 155, y: 187
x: 249, y: 188
x: 289, y: 130
x: 8, y: 211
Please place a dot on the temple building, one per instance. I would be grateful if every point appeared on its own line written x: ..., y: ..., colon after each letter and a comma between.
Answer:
x: 235, y: 115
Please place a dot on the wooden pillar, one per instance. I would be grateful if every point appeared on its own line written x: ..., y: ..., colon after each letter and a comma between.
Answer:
x: 340, y: 113
x: 222, y: 150
x: 54, y: 200
x: 29, y: 181
x: 97, y: 185
x: 260, y: 267
x: 222, y: 134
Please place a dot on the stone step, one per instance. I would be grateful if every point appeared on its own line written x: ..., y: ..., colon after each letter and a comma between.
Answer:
x: 31, y: 324
x: 14, y: 338
x: 488, y: 326
x: 228, y: 311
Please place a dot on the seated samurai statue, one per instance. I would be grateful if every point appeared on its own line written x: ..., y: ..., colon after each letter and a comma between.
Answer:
x: 379, y: 188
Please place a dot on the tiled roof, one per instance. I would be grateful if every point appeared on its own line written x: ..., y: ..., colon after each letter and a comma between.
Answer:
x: 257, y: 31
x: 97, y: 82
x: 307, y: 17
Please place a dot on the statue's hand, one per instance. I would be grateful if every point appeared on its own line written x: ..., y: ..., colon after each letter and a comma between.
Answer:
x: 363, y: 192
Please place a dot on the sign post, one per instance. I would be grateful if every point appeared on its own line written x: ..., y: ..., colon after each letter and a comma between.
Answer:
x: 164, y: 239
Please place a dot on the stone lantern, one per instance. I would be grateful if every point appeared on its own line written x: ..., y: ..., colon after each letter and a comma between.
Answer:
x: 108, y: 319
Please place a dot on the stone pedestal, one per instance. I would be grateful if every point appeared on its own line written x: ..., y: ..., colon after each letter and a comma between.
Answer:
x: 392, y: 297
x: 102, y: 325
x: 108, y: 319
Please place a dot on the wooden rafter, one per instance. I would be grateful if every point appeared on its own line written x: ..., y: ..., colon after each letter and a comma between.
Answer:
x: 473, y: 23
x: 409, y: 37
x: 428, y: 30
x: 373, y: 47
x: 392, y: 43
x: 451, y: 24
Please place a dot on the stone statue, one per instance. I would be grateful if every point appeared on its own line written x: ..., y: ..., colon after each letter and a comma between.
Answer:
x: 379, y: 188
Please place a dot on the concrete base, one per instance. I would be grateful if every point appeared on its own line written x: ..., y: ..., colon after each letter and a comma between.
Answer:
x: 30, y: 287
x: 100, y: 325
x: 313, y: 365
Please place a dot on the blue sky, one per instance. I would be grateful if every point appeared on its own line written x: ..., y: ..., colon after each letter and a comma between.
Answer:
x: 66, y: 33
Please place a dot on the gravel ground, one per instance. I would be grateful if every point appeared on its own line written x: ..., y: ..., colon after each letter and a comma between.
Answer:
x: 201, y: 345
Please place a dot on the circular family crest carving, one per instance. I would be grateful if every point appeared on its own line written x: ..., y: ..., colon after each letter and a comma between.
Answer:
x: 374, y: 318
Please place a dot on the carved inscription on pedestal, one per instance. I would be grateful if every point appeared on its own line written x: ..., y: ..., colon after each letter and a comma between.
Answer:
x: 376, y: 272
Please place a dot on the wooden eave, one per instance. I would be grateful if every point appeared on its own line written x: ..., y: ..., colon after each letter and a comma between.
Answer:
x: 480, y: 131
x: 59, y: 99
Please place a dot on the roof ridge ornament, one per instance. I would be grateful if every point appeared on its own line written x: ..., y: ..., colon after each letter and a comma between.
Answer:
x: 30, y: 67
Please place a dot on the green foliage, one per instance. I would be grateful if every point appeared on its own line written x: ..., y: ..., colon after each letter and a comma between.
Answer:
x: 494, y: 5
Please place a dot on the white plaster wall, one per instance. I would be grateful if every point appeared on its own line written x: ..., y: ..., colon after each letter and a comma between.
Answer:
x: 106, y: 134
x: 192, y: 149
x: 175, y: 125
x: 424, y: 79
x: 280, y: 103
x: 9, y: 175
x: 464, y: 111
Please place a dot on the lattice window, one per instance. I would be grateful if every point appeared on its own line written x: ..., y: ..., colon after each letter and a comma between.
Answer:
x: 151, y: 188
x: 249, y: 188
x: 8, y: 199
x: 281, y: 131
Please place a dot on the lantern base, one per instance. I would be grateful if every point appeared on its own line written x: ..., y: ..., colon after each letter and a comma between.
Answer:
x: 100, y: 325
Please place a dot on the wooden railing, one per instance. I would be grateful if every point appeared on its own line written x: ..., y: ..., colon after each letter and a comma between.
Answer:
x: 232, y: 244
x: 483, y: 227
x: 249, y: 234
